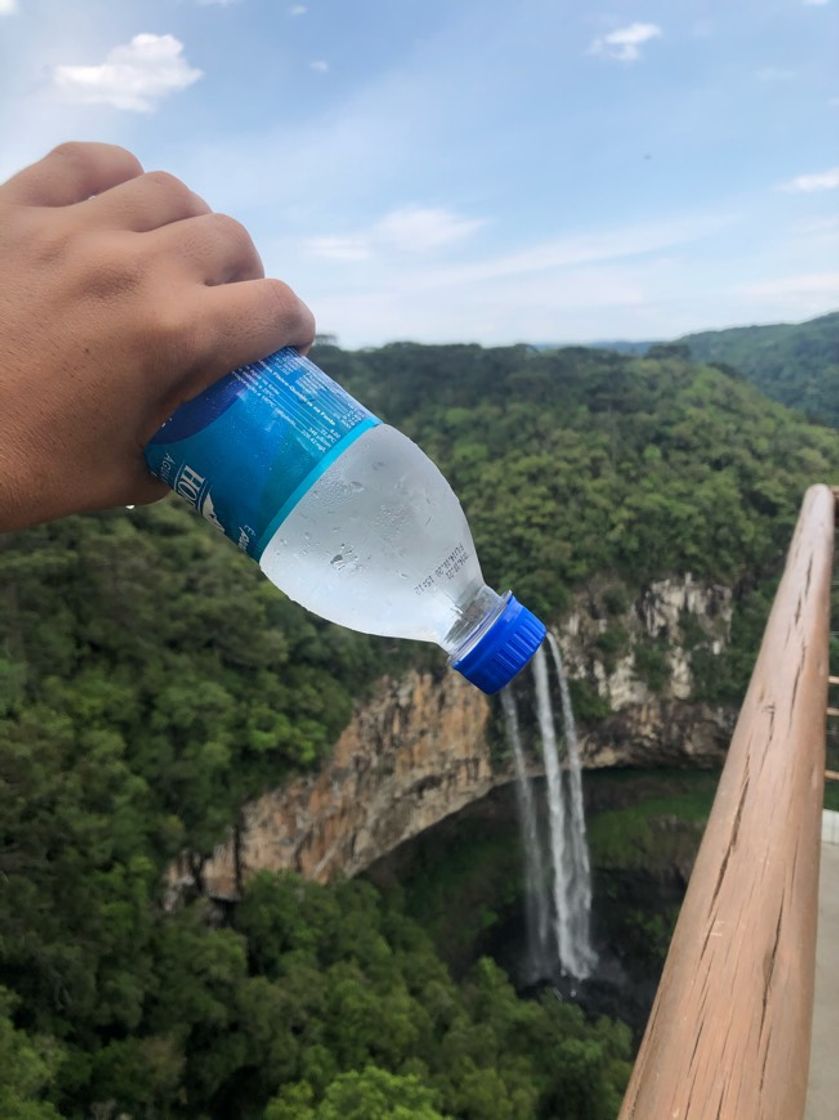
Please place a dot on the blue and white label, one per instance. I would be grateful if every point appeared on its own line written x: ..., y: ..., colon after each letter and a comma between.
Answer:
x: 246, y: 451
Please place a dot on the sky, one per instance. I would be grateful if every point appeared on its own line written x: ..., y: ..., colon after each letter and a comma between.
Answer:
x: 472, y: 170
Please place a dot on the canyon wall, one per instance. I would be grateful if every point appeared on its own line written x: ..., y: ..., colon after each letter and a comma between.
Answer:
x: 426, y: 745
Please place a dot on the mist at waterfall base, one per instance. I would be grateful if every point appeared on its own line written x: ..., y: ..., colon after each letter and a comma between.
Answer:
x: 557, y: 873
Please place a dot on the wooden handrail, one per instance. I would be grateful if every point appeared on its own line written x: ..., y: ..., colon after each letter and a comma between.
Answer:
x: 729, y: 1034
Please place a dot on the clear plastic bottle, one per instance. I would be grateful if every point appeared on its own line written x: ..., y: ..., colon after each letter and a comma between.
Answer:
x: 345, y: 514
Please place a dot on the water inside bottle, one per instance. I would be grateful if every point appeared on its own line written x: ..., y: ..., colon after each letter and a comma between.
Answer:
x: 380, y: 544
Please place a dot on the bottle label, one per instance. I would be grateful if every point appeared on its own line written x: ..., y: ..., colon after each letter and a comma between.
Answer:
x: 246, y: 450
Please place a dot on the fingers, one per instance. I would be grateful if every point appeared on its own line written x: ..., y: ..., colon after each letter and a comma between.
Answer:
x: 72, y: 173
x: 145, y: 489
x: 134, y: 485
x: 214, y: 247
x: 144, y: 203
x: 246, y: 322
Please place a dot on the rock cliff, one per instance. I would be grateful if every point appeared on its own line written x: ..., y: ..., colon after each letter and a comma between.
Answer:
x: 425, y: 746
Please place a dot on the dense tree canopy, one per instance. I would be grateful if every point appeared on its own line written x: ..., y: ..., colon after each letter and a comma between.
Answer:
x: 151, y: 681
x: 796, y: 363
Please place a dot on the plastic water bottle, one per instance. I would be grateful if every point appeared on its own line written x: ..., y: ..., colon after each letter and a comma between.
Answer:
x: 343, y: 513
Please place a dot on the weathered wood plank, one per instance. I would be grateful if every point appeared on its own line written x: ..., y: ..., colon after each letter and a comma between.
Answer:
x: 729, y: 1033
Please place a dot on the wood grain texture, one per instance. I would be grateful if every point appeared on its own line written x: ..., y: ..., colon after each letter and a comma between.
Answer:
x: 729, y: 1033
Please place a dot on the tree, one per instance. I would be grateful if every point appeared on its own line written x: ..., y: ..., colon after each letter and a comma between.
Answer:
x: 27, y: 1068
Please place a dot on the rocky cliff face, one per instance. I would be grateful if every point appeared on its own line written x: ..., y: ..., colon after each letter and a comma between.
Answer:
x: 638, y: 657
x: 415, y: 753
x: 421, y: 748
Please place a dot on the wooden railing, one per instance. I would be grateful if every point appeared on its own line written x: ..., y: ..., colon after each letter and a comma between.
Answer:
x: 729, y: 1034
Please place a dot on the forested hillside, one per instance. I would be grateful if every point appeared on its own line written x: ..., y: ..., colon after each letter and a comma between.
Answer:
x: 151, y: 680
x: 795, y: 363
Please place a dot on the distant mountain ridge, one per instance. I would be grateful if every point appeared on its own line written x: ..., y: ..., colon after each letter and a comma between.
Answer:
x: 616, y: 345
x: 795, y: 363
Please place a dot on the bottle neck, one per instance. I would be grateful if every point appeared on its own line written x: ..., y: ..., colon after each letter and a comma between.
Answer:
x: 476, y: 617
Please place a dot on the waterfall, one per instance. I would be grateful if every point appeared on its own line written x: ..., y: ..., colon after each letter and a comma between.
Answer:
x: 537, y: 903
x: 580, y: 869
x: 568, y: 901
x: 556, y: 817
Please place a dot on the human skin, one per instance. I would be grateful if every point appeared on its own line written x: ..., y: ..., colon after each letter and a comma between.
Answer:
x: 122, y: 295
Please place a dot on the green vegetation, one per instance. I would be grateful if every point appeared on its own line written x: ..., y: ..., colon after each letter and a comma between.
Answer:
x: 796, y: 363
x: 462, y: 879
x: 576, y: 462
x: 151, y: 681
x: 651, y: 663
x: 641, y: 853
x: 633, y: 837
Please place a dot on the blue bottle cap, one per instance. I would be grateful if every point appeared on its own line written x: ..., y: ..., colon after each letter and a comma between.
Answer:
x: 504, y: 649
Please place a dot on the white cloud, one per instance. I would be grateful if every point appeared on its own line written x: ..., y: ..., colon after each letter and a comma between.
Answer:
x: 774, y: 74
x: 339, y: 248
x: 409, y: 229
x: 133, y: 76
x: 806, y: 294
x: 320, y: 66
x: 808, y: 282
x: 606, y: 283
x: 818, y: 181
x: 217, y: 3
x: 297, y: 10
x: 815, y: 3
x: 8, y: 7
x: 624, y: 43
x: 583, y: 249
x: 415, y: 229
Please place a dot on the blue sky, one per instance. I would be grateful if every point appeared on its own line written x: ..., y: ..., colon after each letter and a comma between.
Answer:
x: 472, y: 170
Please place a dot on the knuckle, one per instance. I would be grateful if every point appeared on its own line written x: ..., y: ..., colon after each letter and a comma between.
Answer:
x: 83, y: 154
x: 290, y: 310
x: 167, y: 183
x: 75, y: 151
x: 166, y: 323
x: 233, y: 231
x: 282, y: 297
x: 109, y: 270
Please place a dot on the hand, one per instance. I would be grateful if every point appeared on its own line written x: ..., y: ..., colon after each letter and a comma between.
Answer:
x: 121, y: 296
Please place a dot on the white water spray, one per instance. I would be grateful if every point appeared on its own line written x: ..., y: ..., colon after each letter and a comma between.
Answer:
x: 537, y: 901
x: 578, y: 867
x: 556, y: 817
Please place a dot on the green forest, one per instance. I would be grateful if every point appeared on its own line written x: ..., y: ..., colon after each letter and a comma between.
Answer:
x: 151, y: 681
x: 796, y: 363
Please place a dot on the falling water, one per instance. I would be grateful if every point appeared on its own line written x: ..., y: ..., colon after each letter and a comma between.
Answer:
x: 537, y: 901
x: 556, y: 818
x: 579, y: 891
